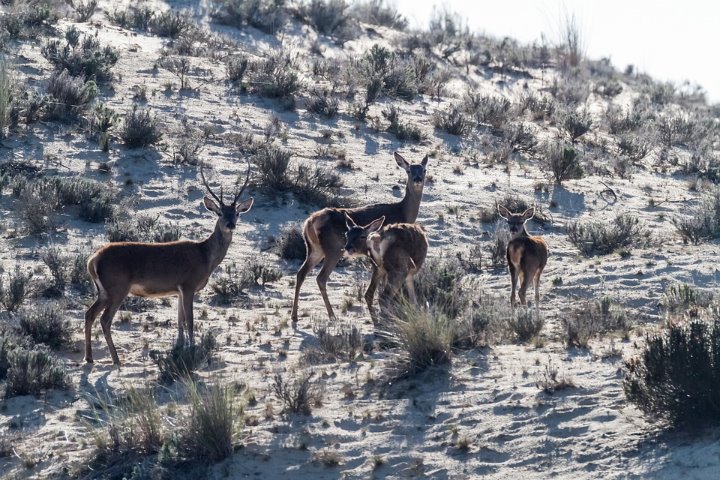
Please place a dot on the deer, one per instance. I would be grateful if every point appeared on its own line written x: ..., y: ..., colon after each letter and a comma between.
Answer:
x: 397, y: 252
x: 526, y: 254
x: 180, y: 268
x: 324, y: 230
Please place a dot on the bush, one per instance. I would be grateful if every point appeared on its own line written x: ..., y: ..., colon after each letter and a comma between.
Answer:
x: 633, y: 147
x: 623, y: 121
x: 45, y: 324
x: 424, y: 336
x: 261, y: 14
x: 386, y: 74
x: 6, y: 96
x: 69, y: 96
x: 599, y: 238
x: 277, y: 76
x: 331, y: 17
x: 13, y: 294
x: 339, y: 340
x: 236, y: 67
x: 84, y: 10
x: 702, y: 223
x: 526, y: 324
x: 682, y: 298
x: 570, y: 90
x: 402, y: 131
x: 141, y: 229
x: 576, y: 123
x: 140, y: 128
x: 677, y: 376
x: 291, y: 244
x: 488, y: 110
x: 298, y: 394
x: 138, y: 18
x: 703, y: 163
x: 592, y: 318
x: 182, y: 360
x: 171, y: 24
x: 210, y: 427
x: 540, y: 108
x: 81, y: 55
x: 452, y: 120
x: 376, y: 12
x: 323, y: 104
x: 439, y: 284
x: 38, y: 202
x: 563, y: 161
x: 58, y: 265
x: 32, y: 371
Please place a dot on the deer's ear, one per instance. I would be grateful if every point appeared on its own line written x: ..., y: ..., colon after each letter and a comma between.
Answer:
x: 402, y: 162
x: 425, y: 160
x: 245, y: 205
x: 211, y: 205
x: 504, y: 212
x: 349, y: 223
x: 528, y: 214
x: 375, y: 225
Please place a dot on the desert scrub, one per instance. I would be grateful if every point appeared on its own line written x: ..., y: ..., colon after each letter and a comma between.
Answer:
x: 562, y: 160
x: 702, y: 223
x: 681, y: 298
x: 378, y: 12
x: 439, y: 284
x: 575, y: 122
x: 232, y: 282
x: 323, y: 104
x: 592, y: 318
x: 265, y: 15
x: 33, y: 370
x: 298, y: 392
x: 452, y: 120
x: 331, y: 18
x: 488, y: 110
x: 81, y: 55
x: 182, y: 360
x: 137, y: 18
x: 142, y: 228
x: 402, y: 131
x: 338, y: 341
x: 140, y: 128
x: 290, y: 245
x: 602, y: 238
x: 69, y: 96
x: 84, y: 10
x: 171, y: 24
x: 526, y: 324
x: 14, y: 289
x: 6, y: 95
x: 677, y: 376
x: 277, y: 75
x: 45, y: 324
x: 384, y: 73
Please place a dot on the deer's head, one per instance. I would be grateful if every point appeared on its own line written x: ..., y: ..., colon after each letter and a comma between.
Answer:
x: 516, y: 221
x: 415, y: 171
x: 227, y: 213
x: 357, y: 237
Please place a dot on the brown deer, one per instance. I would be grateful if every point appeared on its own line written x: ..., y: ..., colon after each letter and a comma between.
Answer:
x: 324, y: 231
x: 160, y: 269
x: 526, y: 254
x: 397, y: 252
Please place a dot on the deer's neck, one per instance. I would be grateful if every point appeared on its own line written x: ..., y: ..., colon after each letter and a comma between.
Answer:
x: 217, y: 245
x: 410, y: 204
x: 522, y: 233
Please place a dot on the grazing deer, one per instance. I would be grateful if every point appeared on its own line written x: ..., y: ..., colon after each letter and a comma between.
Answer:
x: 324, y: 231
x: 160, y: 269
x: 397, y: 252
x: 526, y: 254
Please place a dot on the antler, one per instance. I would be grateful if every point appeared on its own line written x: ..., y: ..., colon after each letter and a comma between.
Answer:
x: 202, y: 175
x: 247, y: 179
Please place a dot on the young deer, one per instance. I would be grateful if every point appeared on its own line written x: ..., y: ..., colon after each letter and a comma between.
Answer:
x: 324, y: 231
x: 160, y: 269
x: 397, y: 252
x: 526, y: 254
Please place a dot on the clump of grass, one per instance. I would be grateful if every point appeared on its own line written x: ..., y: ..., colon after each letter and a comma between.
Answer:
x: 702, y: 223
x: 551, y: 381
x: 33, y: 370
x: 439, y: 284
x: 102, y: 121
x: 339, y: 341
x: 594, y: 317
x: 602, y: 238
x: 45, y: 324
x: 290, y: 245
x: 140, y: 128
x: 452, y: 120
x: 6, y: 95
x: 563, y: 161
x: 299, y: 393
x: 682, y: 298
x: 181, y: 361
x: 234, y: 280
x: 81, y: 55
x: 15, y: 289
x: 526, y: 324
x: 141, y: 229
x: 677, y: 376
x: 69, y: 96
x: 323, y: 104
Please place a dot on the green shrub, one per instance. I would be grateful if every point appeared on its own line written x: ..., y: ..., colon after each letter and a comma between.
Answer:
x: 32, y: 371
x: 576, y: 123
x: 439, y: 284
x: 45, y: 324
x: 69, y: 96
x: 452, y: 120
x: 81, y: 55
x: 592, y: 318
x: 182, y: 360
x: 563, y: 161
x: 601, y: 238
x: 140, y: 128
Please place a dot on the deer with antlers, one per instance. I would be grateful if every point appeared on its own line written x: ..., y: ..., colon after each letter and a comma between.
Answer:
x: 324, y: 231
x: 179, y: 268
x: 397, y: 252
x: 526, y: 254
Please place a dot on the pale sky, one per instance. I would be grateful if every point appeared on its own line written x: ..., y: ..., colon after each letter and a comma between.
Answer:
x: 670, y: 40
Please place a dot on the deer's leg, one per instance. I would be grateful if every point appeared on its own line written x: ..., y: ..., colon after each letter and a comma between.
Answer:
x: 90, y: 317
x: 181, y: 320
x: 331, y: 260
x: 390, y: 293
x: 525, y: 280
x: 370, y: 292
x: 513, y: 283
x: 314, y: 256
x: 410, y: 286
x: 106, y: 320
x: 537, y: 288
x: 187, y: 297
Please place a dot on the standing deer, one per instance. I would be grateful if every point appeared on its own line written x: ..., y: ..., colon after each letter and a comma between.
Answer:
x: 324, y: 231
x: 397, y: 252
x: 160, y: 269
x: 526, y: 254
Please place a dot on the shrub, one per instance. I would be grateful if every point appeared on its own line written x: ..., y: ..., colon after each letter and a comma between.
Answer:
x: 703, y: 163
x: 424, y: 336
x: 171, y: 24
x: 520, y: 137
x: 623, y: 121
x: 681, y: 298
x: 33, y: 370
x: 261, y: 14
x: 439, y: 284
x: 58, y: 265
x: 236, y: 67
x: 96, y: 201
x: 231, y: 283
x: 600, y: 238
x: 377, y: 12
x: 526, y: 324
x: 678, y: 129
x: 677, y: 376
x: 38, y: 203
x: 702, y: 223
x: 563, y: 161
x: 291, y: 244
x: 12, y: 294
x: 488, y: 110
x: 141, y: 229
x: 209, y: 428
x: 331, y: 17
x: 81, y: 55
x: 45, y: 324
x: 402, y: 131
x: 570, y: 90
x: 576, y: 123
x: 540, y: 108
x: 592, y: 318
x: 84, y: 10
x: 550, y: 380
x: 323, y: 104
x: 452, y: 120
x: 140, y: 128
x: 277, y: 76
x: 339, y: 340
x: 385, y: 73
x: 5, y: 96
x: 633, y: 147
x: 181, y: 361
x: 138, y: 18
x: 572, y: 43
x: 298, y: 394
x: 69, y: 96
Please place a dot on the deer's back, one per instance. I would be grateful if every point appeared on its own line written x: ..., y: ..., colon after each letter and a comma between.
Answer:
x: 402, y: 246
x: 528, y: 251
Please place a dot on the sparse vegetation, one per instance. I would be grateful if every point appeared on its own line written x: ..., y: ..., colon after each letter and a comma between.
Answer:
x: 452, y: 120
x: 32, y: 370
x: 593, y: 317
x: 140, y: 128
x: 299, y: 393
x: 15, y: 289
x: 142, y: 228
x: 601, y: 238
x: 291, y: 245
x: 261, y: 14
x: 563, y: 161
x: 81, y: 55
x: 181, y: 361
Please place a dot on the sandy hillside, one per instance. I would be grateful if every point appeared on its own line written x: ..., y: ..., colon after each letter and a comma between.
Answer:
x: 483, y: 415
